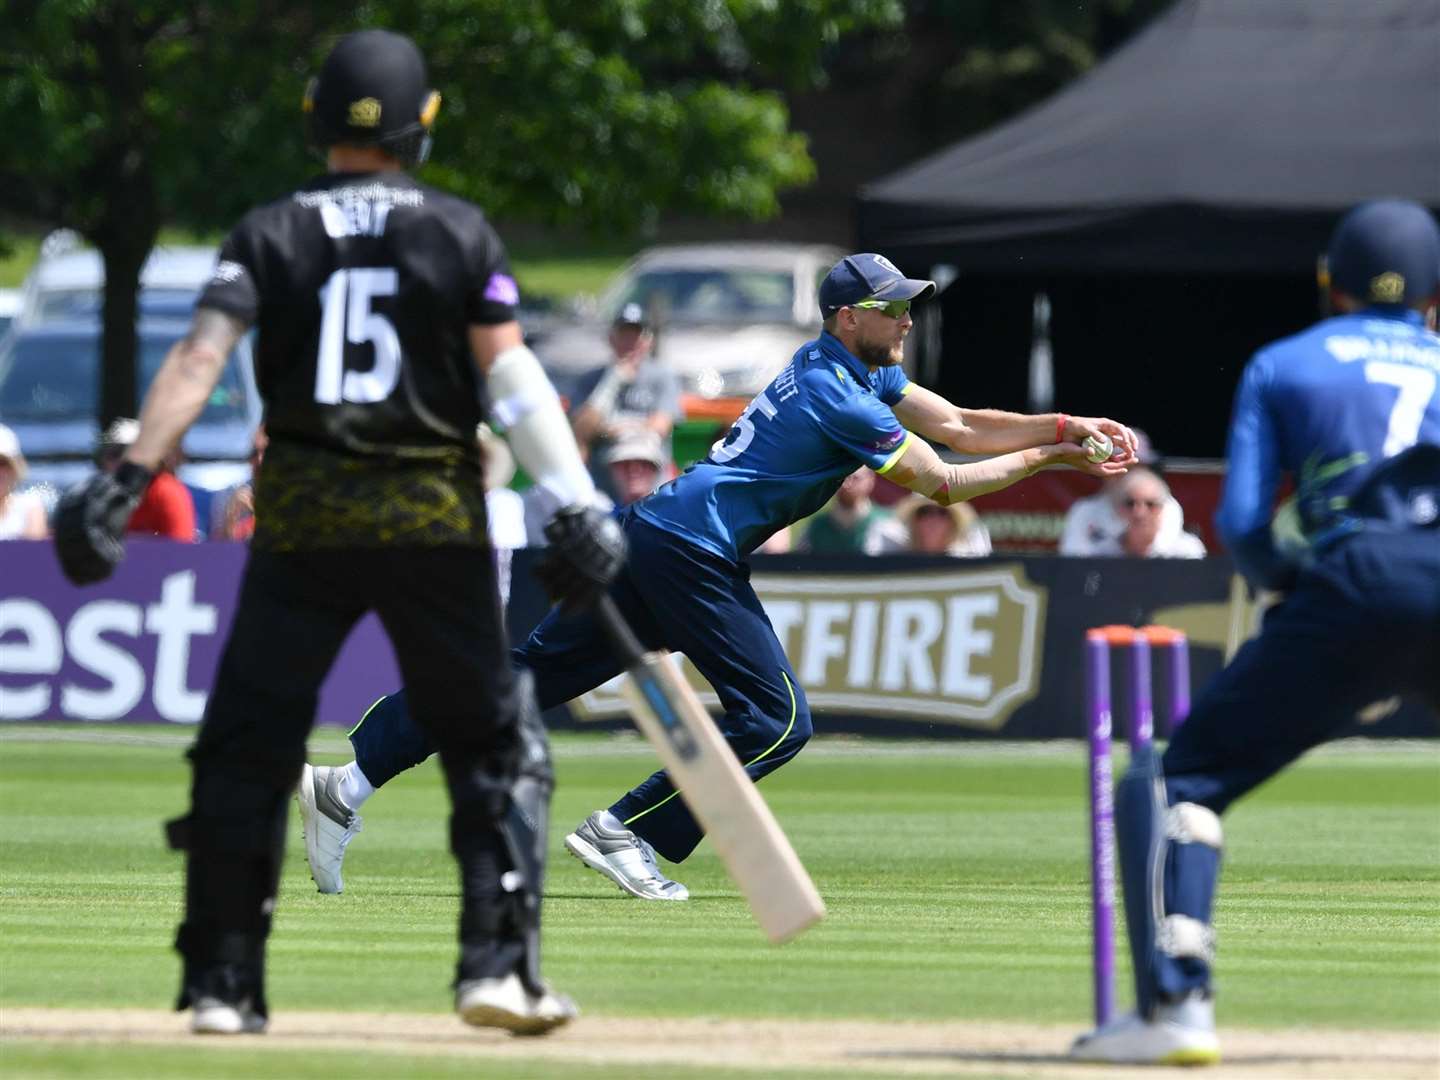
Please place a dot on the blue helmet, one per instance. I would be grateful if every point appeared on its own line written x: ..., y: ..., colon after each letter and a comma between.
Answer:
x: 1385, y: 252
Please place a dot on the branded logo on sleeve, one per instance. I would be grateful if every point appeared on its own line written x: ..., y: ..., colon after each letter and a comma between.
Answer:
x: 502, y: 289
x: 889, y: 442
x: 226, y: 272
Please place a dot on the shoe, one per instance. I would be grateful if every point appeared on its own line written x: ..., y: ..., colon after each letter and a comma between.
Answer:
x: 329, y: 825
x: 212, y: 1015
x: 624, y: 858
x: 1182, y: 1033
x: 506, y: 1003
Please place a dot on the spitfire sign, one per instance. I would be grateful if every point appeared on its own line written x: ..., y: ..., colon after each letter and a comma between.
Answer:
x: 953, y: 646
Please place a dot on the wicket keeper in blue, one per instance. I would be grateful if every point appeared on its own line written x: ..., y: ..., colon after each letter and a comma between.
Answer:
x: 1348, y: 410
x: 842, y: 401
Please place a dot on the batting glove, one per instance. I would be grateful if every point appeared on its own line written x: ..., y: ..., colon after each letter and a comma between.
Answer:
x: 587, y: 550
x: 90, y: 519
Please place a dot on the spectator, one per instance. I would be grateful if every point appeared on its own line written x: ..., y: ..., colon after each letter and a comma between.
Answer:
x: 1093, y: 523
x: 635, y: 392
x: 637, y: 463
x: 932, y: 529
x: 852, y: 524
x: 1140, y: 499
x: 232, y: 511
x: 22, y: 513
x: 166, y: 510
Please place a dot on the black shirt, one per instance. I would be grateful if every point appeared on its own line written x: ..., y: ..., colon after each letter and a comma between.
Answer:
x: 361, y: 288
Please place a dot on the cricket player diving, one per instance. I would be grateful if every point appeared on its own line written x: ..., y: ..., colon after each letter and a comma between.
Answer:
x: 842, y: 401
x: 1348, y: 411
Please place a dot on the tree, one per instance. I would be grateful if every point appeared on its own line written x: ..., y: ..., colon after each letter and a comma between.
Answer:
x: 127, y: 115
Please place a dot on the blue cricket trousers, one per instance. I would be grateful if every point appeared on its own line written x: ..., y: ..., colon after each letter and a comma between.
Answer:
x: 1362, y: 625
x: 675, y: 596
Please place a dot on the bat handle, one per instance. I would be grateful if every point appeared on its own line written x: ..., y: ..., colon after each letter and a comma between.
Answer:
x: 627, y: 645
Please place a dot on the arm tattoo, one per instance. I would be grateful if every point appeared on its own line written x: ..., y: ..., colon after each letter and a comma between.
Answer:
x: 213, y: 333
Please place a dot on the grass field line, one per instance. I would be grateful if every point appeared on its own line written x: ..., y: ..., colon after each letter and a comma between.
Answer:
x: 1423, y: 753
x: 960, y: 1048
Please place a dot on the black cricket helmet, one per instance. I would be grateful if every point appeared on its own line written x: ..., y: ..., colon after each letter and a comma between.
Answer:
x: 372, y: 91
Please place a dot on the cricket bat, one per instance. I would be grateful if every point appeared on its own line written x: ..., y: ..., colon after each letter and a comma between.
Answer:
x: 718, y: 791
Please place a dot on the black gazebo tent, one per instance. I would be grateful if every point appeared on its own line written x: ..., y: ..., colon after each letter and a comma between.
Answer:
x: 1171, y: 203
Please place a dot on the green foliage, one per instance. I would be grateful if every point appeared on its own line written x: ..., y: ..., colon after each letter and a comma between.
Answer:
x: 566, y: 112
x: 1011, y: 55
x: 125, y: 115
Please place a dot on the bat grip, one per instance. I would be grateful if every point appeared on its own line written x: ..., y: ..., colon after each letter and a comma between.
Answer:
x: 627, y: 645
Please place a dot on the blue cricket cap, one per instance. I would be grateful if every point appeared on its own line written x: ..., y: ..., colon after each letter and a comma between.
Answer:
x: 1386, y: 252
x: 867, y: 276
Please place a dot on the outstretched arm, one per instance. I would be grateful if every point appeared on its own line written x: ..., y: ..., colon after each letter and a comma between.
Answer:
x: 992, y: 431
x: 919, y: 468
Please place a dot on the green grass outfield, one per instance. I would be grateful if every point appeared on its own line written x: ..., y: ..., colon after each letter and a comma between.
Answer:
x: 956, y: 877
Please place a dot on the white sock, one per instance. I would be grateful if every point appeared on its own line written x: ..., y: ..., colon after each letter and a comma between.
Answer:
x: 354, y: 787
x: 610, y: 821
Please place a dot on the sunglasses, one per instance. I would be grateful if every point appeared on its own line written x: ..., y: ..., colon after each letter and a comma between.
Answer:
x: 1152, y: 504
x: 891, y: 309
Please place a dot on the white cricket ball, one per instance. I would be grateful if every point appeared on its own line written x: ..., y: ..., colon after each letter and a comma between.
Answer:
x: 1097, y: 450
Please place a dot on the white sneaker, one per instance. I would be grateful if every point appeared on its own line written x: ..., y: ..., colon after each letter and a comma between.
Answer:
x: 1182, y: 1033
x: 506, y: 1003
x: 329, y: 825
x: 211, y: 1016
x: 624, y: 858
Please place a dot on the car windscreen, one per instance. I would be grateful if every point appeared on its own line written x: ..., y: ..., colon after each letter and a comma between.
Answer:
x: 56, y: 377
x: 712, y: 295
x: 52, y: 304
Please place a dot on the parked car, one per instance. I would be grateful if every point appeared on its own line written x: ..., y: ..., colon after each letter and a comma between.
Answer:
x: 49, y: 389
x: 68, y: 281
x: 9, y: 308
x: 728, y: 316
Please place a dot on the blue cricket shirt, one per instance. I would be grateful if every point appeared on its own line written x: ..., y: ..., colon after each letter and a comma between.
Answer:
x: 823, y: 416
x: 1326, y: 407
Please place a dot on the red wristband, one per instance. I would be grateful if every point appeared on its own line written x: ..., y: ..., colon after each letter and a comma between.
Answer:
x: 1060, y: 422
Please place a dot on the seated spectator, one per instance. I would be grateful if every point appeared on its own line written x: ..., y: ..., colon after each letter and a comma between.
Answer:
x: 232, y: 511
x: 637, y: 462
x: 166, y: 510
x: 22, y: 513
x: 1093, y: 523
x: 932, y: 529
x: 635, y: 392
x: 851, y: 523
x: 1140, y: 497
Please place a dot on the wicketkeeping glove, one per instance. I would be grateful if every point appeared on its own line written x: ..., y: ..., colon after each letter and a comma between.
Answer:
x: 90, y: 519
x: 587, y: 550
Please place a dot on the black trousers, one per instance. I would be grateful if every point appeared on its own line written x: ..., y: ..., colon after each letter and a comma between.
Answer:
x: 441, y: 610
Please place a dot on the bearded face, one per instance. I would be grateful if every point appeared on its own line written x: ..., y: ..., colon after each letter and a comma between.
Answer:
x: 879, y: 340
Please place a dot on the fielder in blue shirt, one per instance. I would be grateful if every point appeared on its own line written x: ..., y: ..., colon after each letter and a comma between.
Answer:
x: 1348, y: 411
x: 842, y: 401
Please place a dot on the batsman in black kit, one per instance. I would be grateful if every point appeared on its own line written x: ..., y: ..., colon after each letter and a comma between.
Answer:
x: 381, y: 306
